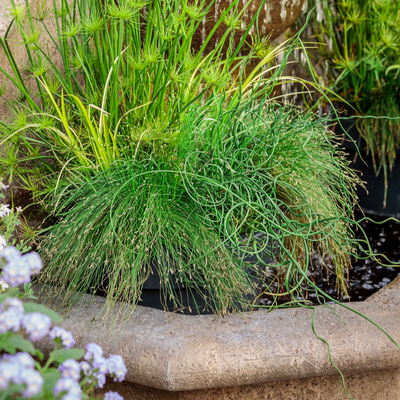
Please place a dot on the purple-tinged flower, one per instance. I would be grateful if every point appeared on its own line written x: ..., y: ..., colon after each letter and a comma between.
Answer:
x: 33, y: 381
x: 25, y: 360
x: 37, y: 325
x: 116, y: 367
x: 93, y: 351
x: 10, y: 320
x: 70, y: 397
x: 9, y: 372
x: 66, y: 386
x: 19, y: 369
x: 16, y: 272
x: 3, y: 186
x: 113, y: 396
x: 100, y: 364
x: 4, y: 210
x: 4, y: 379
x: 55, y: 332
x: 101, y: 380
x: 12, y: 303
x: 70, y: 369
x: 85, y: 367
x: 10, y: 253
x: 76, y: 391
x: 66, y: 337
x: 3, y: 243
x: 33, y: 261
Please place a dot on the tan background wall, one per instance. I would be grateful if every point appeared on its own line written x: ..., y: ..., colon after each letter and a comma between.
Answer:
x: 371, y: 385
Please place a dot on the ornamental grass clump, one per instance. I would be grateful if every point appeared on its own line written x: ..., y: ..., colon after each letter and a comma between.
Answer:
x: 242, y: 168
x: 358, y: 54
x: 114, y: 227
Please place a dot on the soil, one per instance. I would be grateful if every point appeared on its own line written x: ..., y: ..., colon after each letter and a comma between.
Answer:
x: 365, y: 277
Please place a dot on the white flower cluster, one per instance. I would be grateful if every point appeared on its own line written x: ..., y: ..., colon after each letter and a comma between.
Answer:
x: 100, y: 367
x: 19, y: 268
x: 94, y: 368
x: 13, y: 318
x: 112, y: 396
x: 19, y: 369
x: 67, y: 340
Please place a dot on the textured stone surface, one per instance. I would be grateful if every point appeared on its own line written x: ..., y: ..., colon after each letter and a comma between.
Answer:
x: 370, y: 385
x: 176, y: 352
x: 274, y: 18
x: 4, y: 17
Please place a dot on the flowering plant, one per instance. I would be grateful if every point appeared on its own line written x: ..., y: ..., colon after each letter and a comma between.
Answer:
x: 22, y: 369
x: 9, y: 220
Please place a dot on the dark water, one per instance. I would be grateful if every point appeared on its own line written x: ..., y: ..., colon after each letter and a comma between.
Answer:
x: 365, y: 276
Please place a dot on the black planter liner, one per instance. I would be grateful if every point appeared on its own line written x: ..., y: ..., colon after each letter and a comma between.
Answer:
x: 152, y: 295
x: 371, y: 202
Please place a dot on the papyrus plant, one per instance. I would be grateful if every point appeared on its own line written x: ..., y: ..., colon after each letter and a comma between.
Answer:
x: 357, y: 56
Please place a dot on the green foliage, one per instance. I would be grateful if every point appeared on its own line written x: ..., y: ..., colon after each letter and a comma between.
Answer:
x: 8, y: 223
x: 358, y: 50
x: 148, y: 219
x: 62, y: 355
x: 127, y: 68
x: 243, y: 167
x: 11, y: 342
x: 138, y: 110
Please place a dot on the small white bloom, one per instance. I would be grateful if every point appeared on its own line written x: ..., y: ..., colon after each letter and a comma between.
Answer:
x: 3, y: 285
x: 4, y: 187
x: 19, y: 209
x: 4, y: 210
x: 3, y: 243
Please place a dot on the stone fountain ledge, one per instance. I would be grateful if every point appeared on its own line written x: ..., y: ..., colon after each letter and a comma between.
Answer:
x: 177, y: 353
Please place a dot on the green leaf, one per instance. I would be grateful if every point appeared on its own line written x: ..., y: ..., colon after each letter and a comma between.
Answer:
x: 61, y: 355
x: 22, y: 344
x: 5, y: 344
x: 50, y: 379
x: 13, y: 389
x: 7, y: 347
x: 34, y: 307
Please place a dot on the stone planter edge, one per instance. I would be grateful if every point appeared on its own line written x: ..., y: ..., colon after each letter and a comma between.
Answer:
x: 176, y: 352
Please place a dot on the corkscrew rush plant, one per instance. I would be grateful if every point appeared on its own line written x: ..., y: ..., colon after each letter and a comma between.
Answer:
x: 239, y: 178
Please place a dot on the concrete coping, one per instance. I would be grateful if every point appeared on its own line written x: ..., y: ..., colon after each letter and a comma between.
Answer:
x: 177, y: 352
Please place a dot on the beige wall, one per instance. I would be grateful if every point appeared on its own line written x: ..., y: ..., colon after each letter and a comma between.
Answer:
x: 371, y: 385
